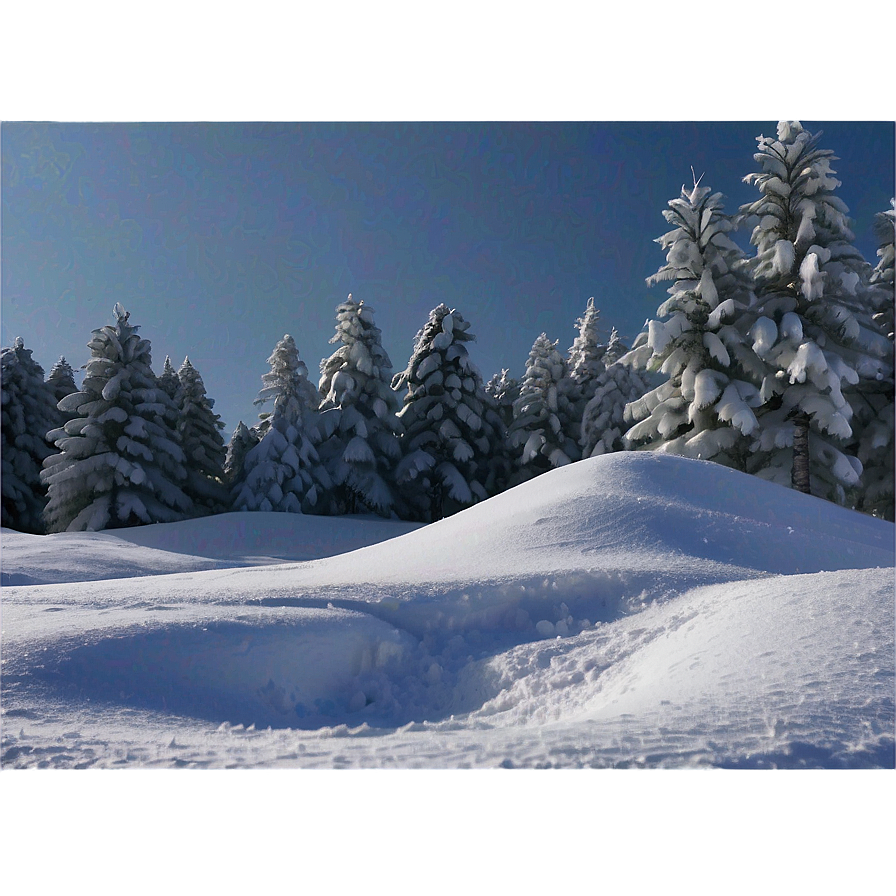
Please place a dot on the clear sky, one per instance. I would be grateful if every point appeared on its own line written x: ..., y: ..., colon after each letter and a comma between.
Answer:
x: 220, y: 238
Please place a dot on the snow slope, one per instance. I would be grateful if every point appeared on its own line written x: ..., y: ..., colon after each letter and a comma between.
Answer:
x: 628, y: 610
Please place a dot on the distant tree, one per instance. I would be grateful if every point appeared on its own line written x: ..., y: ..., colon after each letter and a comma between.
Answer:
x: 505, y: 390
x: 170, y: 382
x: 241, y: 443
x: 872, y: 402
x: 359, y: 427
x: 120, y: 462
x: 704, y: 407
x: 28, y: 414
x: 812, y: 325
x: 203, y: 446
x: 283, y: 471
x: 603, y: 420
x: 451, y: 428
x: 61, y: 379
x: 585, y: 365
x: 542, y: 414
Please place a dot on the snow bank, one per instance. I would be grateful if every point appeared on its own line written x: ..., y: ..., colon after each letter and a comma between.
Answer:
x: 630, y: 609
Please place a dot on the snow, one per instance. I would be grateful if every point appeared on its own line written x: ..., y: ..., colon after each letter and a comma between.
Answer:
x: 629, y: 610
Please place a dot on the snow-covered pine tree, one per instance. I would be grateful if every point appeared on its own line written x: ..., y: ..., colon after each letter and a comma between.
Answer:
x: 61, y: 379
x: 874, y: 419
x: 585, y: 365
x: 283, y: 471
x: 603, y: 420
x: 539, y: 434
x: 120, y: 461
x: 704, y: 408
x: 882, y: 278
x: 451, y: 430
x: 812, y: 324
x: 241, y: 443
x: 358, y: 423
x: 170, y: 382
x: 505, y: 390
x: 28, y: 414
x: 203, y: 446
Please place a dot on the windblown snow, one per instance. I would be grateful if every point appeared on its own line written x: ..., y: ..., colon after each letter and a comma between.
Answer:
x: 632, y: 609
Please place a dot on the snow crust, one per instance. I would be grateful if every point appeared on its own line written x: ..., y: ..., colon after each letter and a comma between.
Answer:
x: 632, y: 609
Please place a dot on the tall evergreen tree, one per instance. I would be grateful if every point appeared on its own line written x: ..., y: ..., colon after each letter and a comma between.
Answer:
x: 359, y: 427
x: 812, y: 325
x: 120, y: 462
x: 542, y: 415
x: 603, y: 420
x: 451, y: 428
x: 874, y: 419
x: 585, y: 364
x: 28, y: 414
x: 203, y: 446
x: 283, y: 471
x: 704, y: 407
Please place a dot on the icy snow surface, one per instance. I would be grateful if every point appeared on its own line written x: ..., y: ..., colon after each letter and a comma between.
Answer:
x: 634, y: 609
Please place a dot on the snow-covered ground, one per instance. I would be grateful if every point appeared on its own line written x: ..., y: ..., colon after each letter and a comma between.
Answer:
x: 626, y: 611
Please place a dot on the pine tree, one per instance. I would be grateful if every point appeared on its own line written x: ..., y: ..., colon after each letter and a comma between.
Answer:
x: 812, y: 325
x: 283, y: 471
x: 170, y: 382
x: 542, y: 414
x: 120, y: 461
x: 451, y: 428
x: 28, y: 414
x: 359, y: 427
x: 882, y: 278
x: 704, y: 407
x: 203, y: 446
x: 603, y: 420
x: 587, y: 351
x: 874, y: 419
x: 241, y: 443
x: 61, y: 379
x: 505, y: 390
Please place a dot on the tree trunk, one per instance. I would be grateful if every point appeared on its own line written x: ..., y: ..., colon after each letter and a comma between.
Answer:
x: 800, y: 473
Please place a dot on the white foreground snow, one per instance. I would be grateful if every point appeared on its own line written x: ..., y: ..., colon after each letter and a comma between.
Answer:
x: 634, y: 609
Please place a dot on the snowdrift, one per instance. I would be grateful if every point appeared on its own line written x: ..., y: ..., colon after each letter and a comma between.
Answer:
x: 632, y: 609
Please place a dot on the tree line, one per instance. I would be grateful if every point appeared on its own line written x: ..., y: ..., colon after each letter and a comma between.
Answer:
x: 777, y: 363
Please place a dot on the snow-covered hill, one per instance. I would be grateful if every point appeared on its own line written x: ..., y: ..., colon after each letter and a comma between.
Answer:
x: 632, y: 609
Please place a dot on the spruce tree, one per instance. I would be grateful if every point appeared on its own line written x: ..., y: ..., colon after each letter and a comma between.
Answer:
x: 28, y: 415
x: 812, y: 325
x: 169, y: 381
x: 585, y: 364
x: 542, y: 415
x: 603, y: 420
x: 451, y: 430
x: 505, y: 390
x: 203, y: 446
x: 120, y: 462
x: 241, y: 443
x: 283, y: 471
x: 704, y: 408
x: 61, y: 379
x: 359, y: 427
x: 874, y: 419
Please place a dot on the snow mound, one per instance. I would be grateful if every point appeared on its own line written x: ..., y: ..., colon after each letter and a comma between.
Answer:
x: 630, y: 609
x: 219, y: 542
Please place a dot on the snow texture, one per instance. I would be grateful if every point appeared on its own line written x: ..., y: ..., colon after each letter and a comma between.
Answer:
x: 632, y: 610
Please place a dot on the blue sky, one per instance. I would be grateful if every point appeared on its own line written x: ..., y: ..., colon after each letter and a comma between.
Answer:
x: 220, y: 238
